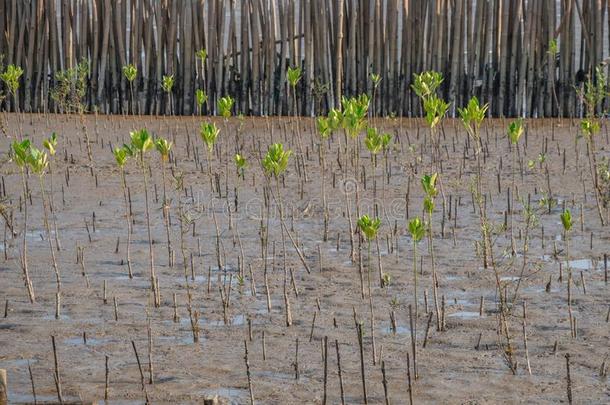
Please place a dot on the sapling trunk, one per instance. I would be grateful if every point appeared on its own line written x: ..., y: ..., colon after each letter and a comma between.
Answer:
x: 24, y: 253
x: 128, y: 219
x: 150, y: 243
x: 166, y: 216
x: 50, y: 240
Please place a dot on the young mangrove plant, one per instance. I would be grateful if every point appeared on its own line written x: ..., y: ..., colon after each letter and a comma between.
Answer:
x: 472, y: 117
x: 240, y: 164
x: 120, y: 156
x: 326, y: 127
x: 201, y: 98
x: 428, y: 183
x: 592, y: 96
x: 417, y: 229
x: 274, y: 164
x: 131, y: 72
x: 209, y: 133
x: 141, y: 143
x: 225, y: 106
x: 293, y: 76
x: 566, y: 221
x: 163, y: 146
x: 369, y: 228
x: 515, y: 130
x: 50, y: 144
x: 20, y: 152
x: 167, y: 85
x: 11, y: 76
x: 38, y: 161
x: 69, y: 94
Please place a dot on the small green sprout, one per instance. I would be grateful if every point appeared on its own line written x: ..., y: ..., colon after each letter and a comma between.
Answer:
x: 11, y: 77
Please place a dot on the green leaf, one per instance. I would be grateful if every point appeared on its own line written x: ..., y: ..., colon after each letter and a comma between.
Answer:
x: 21, y: 152
x: 141, y: 141
x: 240, y: 161
x: 515, y: 130
x: 163, y: 147
x: 566, y: 219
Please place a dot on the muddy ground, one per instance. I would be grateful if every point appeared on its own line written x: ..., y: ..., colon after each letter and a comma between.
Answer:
x: 465, y: 363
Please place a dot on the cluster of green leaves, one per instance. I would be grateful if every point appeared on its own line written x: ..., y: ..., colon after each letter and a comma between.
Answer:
x: 168, y: 83
x: 276, y: 160
x: 417, y: 229
x: 472, y: 117
x: 141, y: 142
x: 355, y: 110
x: 24, y: 154
x: 71, y: 87
x: 369, y: 226
x: 515, y: 130
x: 566, y: 220
x: 201, y: 97
x: 130, y: 72
x: 201, y: 54
x: 225, y: 105
x: 428, y: 183
x: 240, y: 161
x: 208, y: 133
x: 375, y: 78
x: 163, y: 146
x: 375, y: 142
x: 595, y: 90
x: 589, y: 127
x: 50, y: 144
x: 328, y: 125
x: 426, y: 83
x: 11, y: 77
x: 293, y: 75
x: 425, y: 86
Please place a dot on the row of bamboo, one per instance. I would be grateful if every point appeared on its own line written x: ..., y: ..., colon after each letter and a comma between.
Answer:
x: 497, y: 50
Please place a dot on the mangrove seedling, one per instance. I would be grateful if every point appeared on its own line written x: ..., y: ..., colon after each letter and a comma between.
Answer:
x: 167, y: 85
x: 240, y: 163
x: 428, y: 183
x: 209, y: 133
x: 130, y: 72
x: 164, y: 147
x: 566, y: 221
x: 369, y: 228
x: 120, y: 156
x: 202, y: 98
x: 225, y: 105
x: 417, y: 229
x: 50, y: 144
x: 10, y: 77
x: 141, y: 143
x: 38, y: 162
x: 69, y: 94
x: 20, y: 152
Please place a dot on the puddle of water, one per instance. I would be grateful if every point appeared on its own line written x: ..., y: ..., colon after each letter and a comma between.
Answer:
x: 510, y: 278
x: 237, y: 320
x: 581, y: 264
x: 464, y: 315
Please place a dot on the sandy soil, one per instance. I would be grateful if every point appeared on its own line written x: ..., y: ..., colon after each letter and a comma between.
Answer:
x: 451, y: 370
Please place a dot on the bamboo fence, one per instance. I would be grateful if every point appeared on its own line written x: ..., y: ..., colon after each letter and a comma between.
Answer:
x: 497, y: 50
